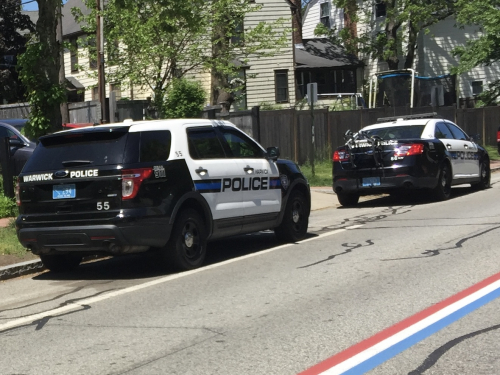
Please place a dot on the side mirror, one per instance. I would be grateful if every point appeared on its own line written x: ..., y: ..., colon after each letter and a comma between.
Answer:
x: 16, y: 142
x: 273, y: 153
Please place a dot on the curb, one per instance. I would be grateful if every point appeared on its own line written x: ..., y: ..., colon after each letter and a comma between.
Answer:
x: 21, y: 269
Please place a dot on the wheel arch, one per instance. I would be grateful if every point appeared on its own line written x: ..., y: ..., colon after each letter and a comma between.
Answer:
x: 197, y: 202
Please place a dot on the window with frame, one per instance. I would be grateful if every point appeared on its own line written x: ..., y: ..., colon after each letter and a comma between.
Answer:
x: 74, y: 54
x: 92, y: 50
x: 117, y: 89
x: 380, y: 8
x: 442, y: 132
x: 238, y: 33
x: 155, y: 145
x: 95, y: 93
x: 281, y: 86
x: 324, y: 14
x: 457, y: 132
x: 241, y: 145
x: 204, y: 144
x: 477, y: 87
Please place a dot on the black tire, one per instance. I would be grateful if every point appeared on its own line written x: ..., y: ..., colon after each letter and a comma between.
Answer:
x: 348, y: 199
x: 187, y: 246
x: 295, y: 221
x: 484, y: 175
x: 61, y: 262
x: 442, y: 191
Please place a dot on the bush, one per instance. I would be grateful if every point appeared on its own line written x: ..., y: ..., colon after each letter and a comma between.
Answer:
x: 8, y: 207
x: 184, y: 99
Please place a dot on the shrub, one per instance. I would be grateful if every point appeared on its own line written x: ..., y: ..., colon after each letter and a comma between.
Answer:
x: 184, y: 99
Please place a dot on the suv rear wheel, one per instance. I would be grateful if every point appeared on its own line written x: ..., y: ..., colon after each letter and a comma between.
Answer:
x: 61, y: 262
x: 187, y: 246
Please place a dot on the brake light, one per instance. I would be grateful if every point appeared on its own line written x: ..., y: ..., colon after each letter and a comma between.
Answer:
x: 132, y: 180
x: 498, y: 136
x: 18, y: 193
x: 408, y: 150
x: 340, y: 155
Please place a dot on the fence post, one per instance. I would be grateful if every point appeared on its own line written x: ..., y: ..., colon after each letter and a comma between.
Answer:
x: 5, y: 160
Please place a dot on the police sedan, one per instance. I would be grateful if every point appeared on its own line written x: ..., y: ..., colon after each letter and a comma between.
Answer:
x: 411, y: 152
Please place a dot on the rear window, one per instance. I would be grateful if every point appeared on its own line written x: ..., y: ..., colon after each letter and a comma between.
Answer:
x: 398, y: 132
x: 87, y: 148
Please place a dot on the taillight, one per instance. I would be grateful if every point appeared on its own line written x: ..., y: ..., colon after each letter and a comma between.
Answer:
x: 18, y: 193
x: 340, y: 155
x: 132, y: 180
x: 498, y: 136
x: 408, y: 150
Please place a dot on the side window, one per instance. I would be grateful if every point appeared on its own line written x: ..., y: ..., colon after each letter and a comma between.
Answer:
x: 155, y: 145
x: 442, y: 131
x: 242, y: 146
x: 204, y: 144
x: 457, y: 132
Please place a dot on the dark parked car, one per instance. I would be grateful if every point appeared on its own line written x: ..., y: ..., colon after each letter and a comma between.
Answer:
x: 21, y: 147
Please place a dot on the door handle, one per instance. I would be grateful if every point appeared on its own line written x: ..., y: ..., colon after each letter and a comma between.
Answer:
x: 201, y: 171
x: 248, y: 169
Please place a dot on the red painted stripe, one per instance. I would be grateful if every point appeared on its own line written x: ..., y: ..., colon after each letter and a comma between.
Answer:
x: 388, y: 332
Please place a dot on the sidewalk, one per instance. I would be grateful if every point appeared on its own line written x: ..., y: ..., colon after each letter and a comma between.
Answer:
x: 322, y: 197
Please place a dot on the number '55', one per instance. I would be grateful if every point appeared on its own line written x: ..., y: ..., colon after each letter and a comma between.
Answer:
x: 102, y: 206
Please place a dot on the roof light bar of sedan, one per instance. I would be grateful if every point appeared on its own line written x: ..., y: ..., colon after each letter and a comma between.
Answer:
x: 408, y: 117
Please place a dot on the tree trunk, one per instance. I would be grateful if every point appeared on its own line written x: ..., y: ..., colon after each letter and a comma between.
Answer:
x: 412, y: 46
x: 350, y: 14
x: 49, y: 64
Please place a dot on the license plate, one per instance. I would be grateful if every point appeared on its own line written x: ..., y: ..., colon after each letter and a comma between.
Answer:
x: 370, y: 181
x: 64, y: 191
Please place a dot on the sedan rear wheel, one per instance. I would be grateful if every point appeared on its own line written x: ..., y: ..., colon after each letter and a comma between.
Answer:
x: 484, y: 176
x: 442, y: 191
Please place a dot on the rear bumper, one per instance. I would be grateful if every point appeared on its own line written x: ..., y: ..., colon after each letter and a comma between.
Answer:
x: 390, y: 180
x: 93, y: 239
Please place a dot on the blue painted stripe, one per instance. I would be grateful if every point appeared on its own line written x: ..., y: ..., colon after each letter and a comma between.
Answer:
x: 208, y: 185
x: 394, y: 350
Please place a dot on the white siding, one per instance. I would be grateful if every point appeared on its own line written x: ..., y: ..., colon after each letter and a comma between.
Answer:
x: 261, y: 89
x: 312, y: 18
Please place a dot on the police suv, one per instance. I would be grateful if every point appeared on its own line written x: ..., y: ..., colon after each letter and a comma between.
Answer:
x: 408, y: 152
x: 169, y: 185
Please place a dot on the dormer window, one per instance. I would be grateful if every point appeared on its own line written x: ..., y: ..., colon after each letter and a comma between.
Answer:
x: 325, y: 14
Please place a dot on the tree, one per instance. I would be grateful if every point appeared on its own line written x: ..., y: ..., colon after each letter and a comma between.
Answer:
x: 485, y: 49
x: 13, y: 26
x: 152, y: 42
x: 39, y: 72
x: 396, y: 33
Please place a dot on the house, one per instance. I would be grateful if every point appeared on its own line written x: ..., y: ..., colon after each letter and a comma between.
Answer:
x: 268, y: 79
x: 434, y: 55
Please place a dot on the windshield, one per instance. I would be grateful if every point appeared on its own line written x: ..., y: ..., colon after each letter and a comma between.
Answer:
x: 91, y: 148
x: 397, y: 132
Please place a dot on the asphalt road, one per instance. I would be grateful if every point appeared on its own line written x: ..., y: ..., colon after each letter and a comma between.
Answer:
x: 261, y: 308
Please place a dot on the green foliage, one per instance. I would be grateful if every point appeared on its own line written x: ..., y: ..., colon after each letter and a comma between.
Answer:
x: 330, y: 33
x: 484, y: 49
x: 42, y: 95
x: 322, y: 172
x: 8, y: 207
x: 265, y: 106
x: 184, y: 99
x: 9, y: 244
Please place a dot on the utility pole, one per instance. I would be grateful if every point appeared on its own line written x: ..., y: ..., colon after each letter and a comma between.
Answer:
x: 62, y: 76
x: 101, y: 82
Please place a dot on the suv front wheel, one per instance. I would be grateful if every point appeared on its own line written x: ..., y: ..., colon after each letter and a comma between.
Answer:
x: 293, y: 228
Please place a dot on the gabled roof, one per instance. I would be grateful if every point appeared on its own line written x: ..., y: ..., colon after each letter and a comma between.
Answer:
x: 69, y: 24
x: 321, y: 53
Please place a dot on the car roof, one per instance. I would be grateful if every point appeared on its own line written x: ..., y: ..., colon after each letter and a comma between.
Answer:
x: 401, y: 122
x: 149, y: 125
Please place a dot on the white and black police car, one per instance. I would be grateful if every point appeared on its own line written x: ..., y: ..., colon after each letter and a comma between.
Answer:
x: 169, y: 185
x: 408, y: 152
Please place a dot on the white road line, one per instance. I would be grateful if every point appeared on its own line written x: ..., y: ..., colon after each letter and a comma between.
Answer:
x: 102, y: 297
